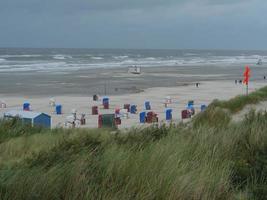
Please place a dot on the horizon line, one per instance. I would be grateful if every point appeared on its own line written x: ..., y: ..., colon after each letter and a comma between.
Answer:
x: 118, y: 48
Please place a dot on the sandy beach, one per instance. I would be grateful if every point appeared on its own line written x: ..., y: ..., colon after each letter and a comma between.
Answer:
x: 72, y: 77
x: 205, y: 94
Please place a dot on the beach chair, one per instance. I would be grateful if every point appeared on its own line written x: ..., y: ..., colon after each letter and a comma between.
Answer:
x: 94, y: 110
x: 124, y: 113
x: 106, y: 102
x: 127, y: 107
x: 185, y: 114
x: 26, y: 106
x: 3, y: 105
x: 133, y: 109
x: 142, y: 117
x: 168, y: 113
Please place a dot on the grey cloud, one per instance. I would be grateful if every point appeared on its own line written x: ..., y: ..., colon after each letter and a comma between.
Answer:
x: 225, y: 2
x: 70, y: 6
x: 133, y: 23
x: 90, y: 5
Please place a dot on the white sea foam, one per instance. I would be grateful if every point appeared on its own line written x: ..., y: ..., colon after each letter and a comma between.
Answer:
x: 97, y: 58
x: 234, y: 59
x: 65, y: 64
x: 19, y: 56
x: 120, y: 57
x: 32, y: 67
x: 190, y: 54
x: 61, y: 57
x: 150, y: 58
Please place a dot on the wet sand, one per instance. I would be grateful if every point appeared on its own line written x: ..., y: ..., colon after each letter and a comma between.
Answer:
x: 114, y: 81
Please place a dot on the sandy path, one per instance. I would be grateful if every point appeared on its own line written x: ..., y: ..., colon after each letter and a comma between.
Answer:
x: 261, y: 106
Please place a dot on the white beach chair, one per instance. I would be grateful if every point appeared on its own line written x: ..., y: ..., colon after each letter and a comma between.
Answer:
x: 52, y: 102
x: 124, y: 113
x: 2, y: 104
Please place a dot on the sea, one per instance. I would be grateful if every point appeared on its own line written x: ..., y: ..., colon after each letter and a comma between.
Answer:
x: 68, y: 60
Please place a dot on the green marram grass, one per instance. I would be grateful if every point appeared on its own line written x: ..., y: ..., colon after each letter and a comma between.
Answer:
x: 208, y: 158
x: 238, y: 103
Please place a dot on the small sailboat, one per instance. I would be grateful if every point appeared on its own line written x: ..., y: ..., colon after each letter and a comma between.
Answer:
x: 134, y: 70
x: 259, y: 62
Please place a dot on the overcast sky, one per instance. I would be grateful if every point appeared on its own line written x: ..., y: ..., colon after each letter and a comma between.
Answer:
x: 178, y: 24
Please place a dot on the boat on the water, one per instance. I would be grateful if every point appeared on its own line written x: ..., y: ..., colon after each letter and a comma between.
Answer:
x: 134, y: 70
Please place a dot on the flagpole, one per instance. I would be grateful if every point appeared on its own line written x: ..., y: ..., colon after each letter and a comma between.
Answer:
x: 247, y: 89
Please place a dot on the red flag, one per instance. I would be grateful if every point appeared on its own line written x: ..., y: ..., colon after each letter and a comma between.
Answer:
x: 246, y: 75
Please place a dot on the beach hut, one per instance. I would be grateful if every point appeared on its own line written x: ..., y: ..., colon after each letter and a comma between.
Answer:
x: 168, y: 113
x: 106, y: 121
x: 105, y: 102
x: 142, y: 117
x: 133, y: 109
x: 26, y: 106
x: 147, y: 105
x: 58, y: 109
x: 33, y: 118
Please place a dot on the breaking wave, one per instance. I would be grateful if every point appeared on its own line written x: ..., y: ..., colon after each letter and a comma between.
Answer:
x: 61, y: 57
x: 20, y: 56
x: 97, y: 58
x: 69, y: 60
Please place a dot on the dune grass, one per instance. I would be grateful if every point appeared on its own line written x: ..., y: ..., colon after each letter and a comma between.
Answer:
x: 175, y: 163
x: 238, y: 103
x: 14, y: 128
x: 210, y: 158
x: 101, y: 166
